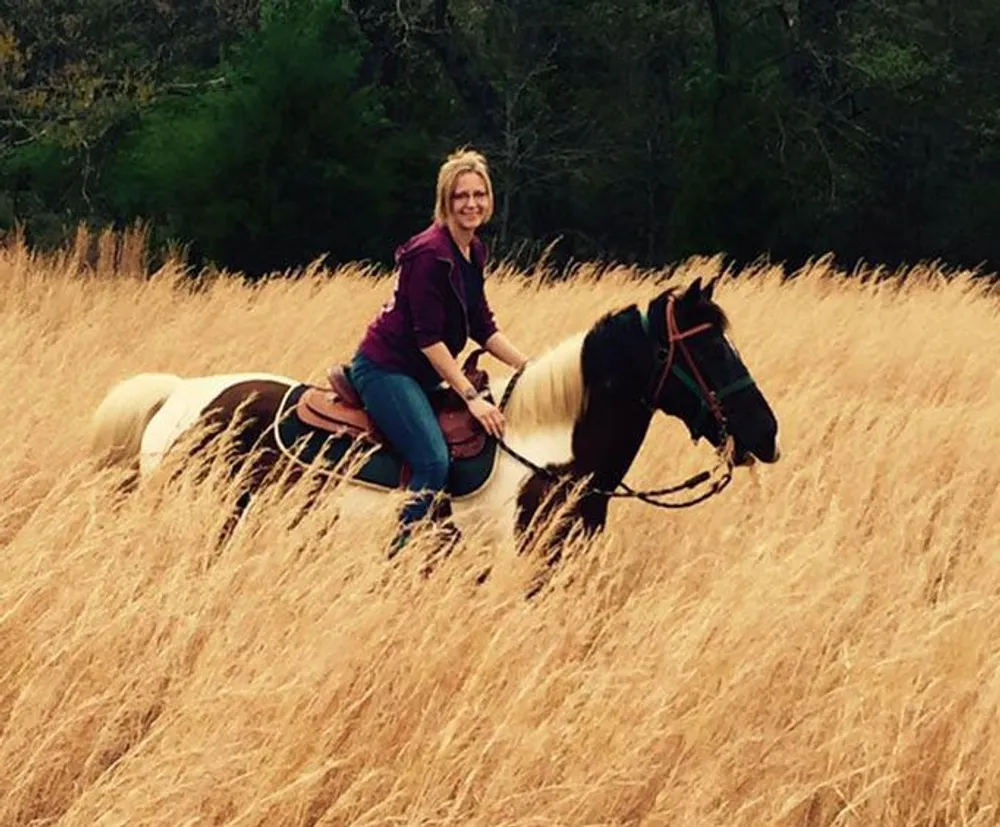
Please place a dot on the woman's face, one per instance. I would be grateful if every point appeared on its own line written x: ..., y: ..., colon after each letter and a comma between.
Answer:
x: 469, y: 201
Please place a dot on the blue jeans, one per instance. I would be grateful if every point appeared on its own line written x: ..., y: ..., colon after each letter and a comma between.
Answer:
x: 400, y: 408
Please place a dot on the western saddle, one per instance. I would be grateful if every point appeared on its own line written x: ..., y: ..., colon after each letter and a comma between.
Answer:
x: 339, y: 410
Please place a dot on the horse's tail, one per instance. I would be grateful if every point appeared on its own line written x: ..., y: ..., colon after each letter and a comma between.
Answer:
x: 117, y: 425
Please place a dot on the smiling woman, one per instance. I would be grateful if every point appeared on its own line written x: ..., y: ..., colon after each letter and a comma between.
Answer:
x: 439, y: 303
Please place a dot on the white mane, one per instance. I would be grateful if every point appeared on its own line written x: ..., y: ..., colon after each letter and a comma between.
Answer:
x: 551, y: 389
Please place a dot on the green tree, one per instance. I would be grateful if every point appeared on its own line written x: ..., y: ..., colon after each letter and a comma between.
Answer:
x: 290, y: 159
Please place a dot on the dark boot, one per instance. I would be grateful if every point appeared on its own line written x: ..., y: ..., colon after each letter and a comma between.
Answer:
x: 413, y: 513
x: 398, y: 543
x: 437, y: 528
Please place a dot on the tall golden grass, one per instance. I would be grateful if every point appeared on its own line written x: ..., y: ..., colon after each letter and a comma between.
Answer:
x: 819, y: 645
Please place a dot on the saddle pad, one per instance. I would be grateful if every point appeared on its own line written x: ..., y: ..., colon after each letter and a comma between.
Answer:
x: 384, y: 467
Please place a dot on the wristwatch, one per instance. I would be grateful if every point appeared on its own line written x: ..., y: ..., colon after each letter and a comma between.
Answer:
x: 470, y: 394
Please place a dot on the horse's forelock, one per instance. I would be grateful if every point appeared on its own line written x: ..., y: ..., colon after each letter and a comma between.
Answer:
x: 714, y: 315
x: 704, y: 309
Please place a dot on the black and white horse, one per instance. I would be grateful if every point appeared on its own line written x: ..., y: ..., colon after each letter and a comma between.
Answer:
x: 581, y: 411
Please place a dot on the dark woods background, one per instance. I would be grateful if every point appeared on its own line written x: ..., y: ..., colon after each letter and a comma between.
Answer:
x: 263, y: 134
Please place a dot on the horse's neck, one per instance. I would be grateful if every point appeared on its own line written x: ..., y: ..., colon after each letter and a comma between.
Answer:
x: 592, y: 385
x: 607, y: 439
x: 601, y: 437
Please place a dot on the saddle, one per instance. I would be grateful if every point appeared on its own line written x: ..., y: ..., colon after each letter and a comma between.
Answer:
x: 338, y: 410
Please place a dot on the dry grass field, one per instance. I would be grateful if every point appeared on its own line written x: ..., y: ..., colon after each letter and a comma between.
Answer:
x: 820, y: 645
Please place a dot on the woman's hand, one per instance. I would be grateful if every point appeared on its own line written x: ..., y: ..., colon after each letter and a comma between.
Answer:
x: 488, y: 414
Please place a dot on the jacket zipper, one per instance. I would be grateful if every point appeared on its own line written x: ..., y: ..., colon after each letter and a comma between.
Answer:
x: 465, y: 310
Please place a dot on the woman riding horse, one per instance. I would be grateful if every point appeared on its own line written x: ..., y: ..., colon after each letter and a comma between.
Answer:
x: 439, y: 302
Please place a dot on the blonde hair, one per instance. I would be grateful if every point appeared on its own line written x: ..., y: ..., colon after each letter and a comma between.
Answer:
x: 458, y: 162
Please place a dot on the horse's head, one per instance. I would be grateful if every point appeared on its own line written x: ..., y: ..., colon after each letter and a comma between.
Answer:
x: 700, y: 378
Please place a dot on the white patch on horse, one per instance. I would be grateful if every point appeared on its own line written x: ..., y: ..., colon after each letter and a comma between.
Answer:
x: 182, y: 409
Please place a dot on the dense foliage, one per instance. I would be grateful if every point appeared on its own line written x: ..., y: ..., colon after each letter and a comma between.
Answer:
x: 265, y: 133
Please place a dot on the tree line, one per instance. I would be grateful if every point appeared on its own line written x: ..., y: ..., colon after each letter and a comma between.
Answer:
x: 261, y: 134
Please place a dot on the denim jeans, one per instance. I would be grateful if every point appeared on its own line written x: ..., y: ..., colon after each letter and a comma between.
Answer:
x: 400, y: 407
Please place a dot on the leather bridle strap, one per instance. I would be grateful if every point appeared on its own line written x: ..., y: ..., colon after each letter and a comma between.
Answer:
x: 675, y: 340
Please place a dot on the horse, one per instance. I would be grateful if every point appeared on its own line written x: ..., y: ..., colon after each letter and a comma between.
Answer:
x: 576, y: 418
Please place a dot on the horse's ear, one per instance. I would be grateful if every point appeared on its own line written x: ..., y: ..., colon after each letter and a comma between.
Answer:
x: 710, y: 288
x: 693, y: 293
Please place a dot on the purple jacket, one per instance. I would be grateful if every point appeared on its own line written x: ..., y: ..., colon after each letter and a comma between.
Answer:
x: 429, y: 304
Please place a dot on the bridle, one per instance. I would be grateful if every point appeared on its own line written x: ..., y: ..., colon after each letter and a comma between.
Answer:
x: 667, y: 364
x: 691, y: 378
